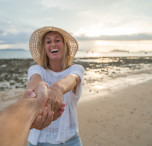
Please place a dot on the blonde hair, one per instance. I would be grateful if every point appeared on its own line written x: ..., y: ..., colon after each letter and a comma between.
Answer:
x: 44, y: 60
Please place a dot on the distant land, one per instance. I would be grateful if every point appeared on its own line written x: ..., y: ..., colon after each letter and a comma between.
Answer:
x: 114, y: 50
x: 117, y: 50
x: 126, y: 51
x: 9, y: 49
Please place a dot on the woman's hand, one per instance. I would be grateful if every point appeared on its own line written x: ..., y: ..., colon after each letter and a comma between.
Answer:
x: 43, y: 120
x: 54, y: 102
x: 46, y: 118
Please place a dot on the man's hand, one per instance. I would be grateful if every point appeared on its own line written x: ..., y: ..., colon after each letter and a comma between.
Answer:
x: 45, y: 116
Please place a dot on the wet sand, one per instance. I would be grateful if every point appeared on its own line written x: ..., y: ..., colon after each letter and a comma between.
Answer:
x: 121, y: 118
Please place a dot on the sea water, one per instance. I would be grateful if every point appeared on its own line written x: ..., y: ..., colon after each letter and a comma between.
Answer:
x: 23, y: 54
x: 9, y: 54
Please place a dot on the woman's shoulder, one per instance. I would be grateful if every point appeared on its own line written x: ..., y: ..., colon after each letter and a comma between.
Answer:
x: 77, y: 66
x: 37, y: 67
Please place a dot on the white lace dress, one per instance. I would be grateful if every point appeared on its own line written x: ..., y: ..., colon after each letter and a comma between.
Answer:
x: 66, y: 126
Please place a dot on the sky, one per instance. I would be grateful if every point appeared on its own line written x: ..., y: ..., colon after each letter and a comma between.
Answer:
x: 96, y: 24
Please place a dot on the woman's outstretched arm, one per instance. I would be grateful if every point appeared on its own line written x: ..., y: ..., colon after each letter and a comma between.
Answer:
x: 56, y: 91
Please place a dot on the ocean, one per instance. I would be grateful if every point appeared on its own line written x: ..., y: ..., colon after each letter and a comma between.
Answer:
x: 10, y: 54
x: 25, y: 54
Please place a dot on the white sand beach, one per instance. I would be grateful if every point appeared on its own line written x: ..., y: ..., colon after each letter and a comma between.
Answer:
x: 121, y: 118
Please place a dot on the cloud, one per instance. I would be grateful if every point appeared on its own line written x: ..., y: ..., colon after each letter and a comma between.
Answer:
x: 109, y: 14
x: 11, y: 33
x: 116, y: 19
x: 9, y: 38
x: 134, y: 37
x: 68, y: 4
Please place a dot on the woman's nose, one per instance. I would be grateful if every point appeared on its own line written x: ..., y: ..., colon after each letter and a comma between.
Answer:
x: 53, y: 43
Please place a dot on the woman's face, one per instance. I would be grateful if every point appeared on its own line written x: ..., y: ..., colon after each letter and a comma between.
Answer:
x: 54, y: 46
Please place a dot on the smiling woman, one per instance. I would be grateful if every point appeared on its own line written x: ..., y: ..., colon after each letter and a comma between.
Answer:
x: 53, y: 50
x: 54, y: 47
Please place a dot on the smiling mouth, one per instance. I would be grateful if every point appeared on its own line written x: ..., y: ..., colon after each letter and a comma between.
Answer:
x: 54, y: 51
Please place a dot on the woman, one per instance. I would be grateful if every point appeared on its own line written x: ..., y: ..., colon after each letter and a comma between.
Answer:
x: 53, y: 49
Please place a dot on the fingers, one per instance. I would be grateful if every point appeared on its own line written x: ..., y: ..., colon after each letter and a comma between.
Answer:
x: 58, y: 113
x: 48, y: 120
x: 36, y: 122
x: 52, y: 105
x: 57, y: 107
x: 61, y: 109
x: 40, y: 111
x: 62, y: 104
x: 55, y: 104
x: 44, y: 119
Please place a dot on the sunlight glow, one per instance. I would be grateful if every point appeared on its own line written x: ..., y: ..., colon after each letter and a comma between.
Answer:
x: 100, y: 30
x: 132, y: 46
x: 100, y: 43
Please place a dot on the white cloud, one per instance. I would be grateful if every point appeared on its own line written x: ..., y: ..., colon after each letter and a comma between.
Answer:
x: 132, y: 37
x: 103, y: 16
x: 82, y: 17
x: 15, y: 46
x: 68, y: 4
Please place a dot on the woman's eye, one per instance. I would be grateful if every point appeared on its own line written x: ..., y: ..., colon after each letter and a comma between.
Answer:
x: 57, y: 40
x: 48, y: 42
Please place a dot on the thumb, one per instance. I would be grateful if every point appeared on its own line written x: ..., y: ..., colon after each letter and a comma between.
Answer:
x: 29, y: 94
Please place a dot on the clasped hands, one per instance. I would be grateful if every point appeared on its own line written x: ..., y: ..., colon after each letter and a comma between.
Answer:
x: 50, y: 105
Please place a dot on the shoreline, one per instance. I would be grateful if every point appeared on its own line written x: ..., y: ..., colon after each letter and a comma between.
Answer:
x: 13, y: 72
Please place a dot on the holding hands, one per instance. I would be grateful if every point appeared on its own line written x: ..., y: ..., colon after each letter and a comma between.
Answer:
x: 49, y: 102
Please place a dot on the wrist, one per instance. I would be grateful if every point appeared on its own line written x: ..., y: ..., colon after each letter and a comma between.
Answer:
x: 56, y: 86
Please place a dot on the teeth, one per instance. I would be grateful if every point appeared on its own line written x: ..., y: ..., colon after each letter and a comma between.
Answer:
x: 54, y: 50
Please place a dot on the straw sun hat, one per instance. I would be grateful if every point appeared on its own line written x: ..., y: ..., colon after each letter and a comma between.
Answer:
x: 36, y: 40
